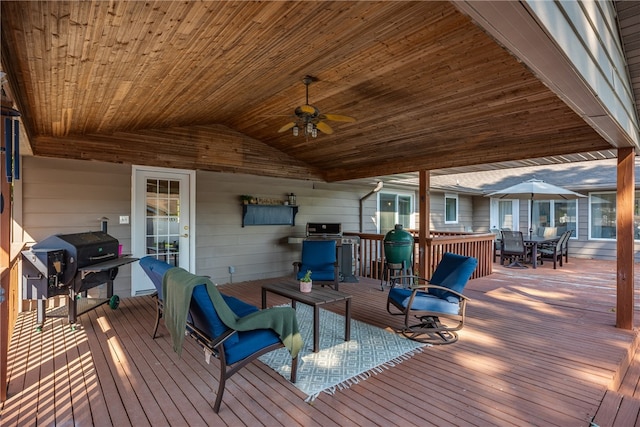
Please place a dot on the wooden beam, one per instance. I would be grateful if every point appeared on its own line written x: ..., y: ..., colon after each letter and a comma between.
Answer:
x: 423, y: 228
x: 624, y: 218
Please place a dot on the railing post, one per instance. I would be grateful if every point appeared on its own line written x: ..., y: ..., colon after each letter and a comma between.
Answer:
x: 424, y: 254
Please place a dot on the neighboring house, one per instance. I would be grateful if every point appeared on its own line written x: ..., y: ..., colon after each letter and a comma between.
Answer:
x: 459, y: 202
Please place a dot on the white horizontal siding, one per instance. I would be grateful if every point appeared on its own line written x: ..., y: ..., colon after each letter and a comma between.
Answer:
x: 587, y: 33
x: 261, y: 251
x: 465, y: 212
x: 63, y: 196
x: 481, y: 209
x: 66, y: 196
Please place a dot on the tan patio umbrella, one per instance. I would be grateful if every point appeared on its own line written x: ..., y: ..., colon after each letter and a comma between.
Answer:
x: 535, y: 189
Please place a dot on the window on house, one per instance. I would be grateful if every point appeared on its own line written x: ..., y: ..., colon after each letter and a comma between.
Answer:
x: 450, y: 208
x: 602, y: 215
x: 561, y: 214
x: 394, y: 209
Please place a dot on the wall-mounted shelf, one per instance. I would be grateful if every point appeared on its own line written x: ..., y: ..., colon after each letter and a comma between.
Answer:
x: 269, y: 215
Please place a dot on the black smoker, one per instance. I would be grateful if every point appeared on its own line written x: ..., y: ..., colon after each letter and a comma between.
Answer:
x: 71, y: 264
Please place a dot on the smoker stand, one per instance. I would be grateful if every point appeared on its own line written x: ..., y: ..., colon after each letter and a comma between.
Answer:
x: 77, y: 301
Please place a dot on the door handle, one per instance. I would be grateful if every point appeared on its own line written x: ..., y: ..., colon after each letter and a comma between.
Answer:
x: 184, y: 235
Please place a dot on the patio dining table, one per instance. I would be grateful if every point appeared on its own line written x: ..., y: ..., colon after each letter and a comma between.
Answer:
x: 534, y: 241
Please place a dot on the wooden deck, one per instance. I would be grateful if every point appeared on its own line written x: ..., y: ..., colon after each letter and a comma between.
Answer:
x: 539, y: 348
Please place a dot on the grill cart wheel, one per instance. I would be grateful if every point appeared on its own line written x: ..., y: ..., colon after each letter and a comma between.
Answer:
x: 114, y: 302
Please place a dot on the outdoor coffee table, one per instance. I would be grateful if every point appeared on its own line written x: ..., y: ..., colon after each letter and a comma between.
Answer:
x: 317, y: 297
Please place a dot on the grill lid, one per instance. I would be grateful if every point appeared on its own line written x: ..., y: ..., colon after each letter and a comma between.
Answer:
x: 324, y: 229
x: 82, y: 249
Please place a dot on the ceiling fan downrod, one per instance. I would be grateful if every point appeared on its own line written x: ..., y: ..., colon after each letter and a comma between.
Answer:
x: 306, y: 117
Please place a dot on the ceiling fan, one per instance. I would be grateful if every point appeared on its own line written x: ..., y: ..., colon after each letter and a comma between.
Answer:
x: 308, y: 119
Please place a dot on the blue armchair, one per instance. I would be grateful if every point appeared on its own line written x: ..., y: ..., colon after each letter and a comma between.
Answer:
x: 319, y: 256
x: 431, y: 301
x: 155, y: 269
x: 233, y: 348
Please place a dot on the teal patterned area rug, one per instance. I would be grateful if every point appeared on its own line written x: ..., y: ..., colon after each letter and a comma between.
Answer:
x: 339, y: 363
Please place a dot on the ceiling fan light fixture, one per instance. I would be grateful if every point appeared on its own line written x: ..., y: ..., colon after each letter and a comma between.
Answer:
x: 307, y: 118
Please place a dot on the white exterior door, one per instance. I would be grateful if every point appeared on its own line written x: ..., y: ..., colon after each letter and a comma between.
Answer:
x: 162, y: 220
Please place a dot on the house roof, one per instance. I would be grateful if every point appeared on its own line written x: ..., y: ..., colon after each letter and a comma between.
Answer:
x: 579, y: 177
x: 207, y: 86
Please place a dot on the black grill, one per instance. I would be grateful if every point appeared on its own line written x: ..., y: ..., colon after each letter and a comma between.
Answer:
x: 71, y: 264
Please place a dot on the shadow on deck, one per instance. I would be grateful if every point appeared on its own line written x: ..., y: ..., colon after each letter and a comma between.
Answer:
x: 539, y: 348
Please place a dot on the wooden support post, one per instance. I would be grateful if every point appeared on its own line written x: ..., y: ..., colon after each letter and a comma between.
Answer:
x: 5, y: 247
x: 624, y: 237
x: 423, y: 228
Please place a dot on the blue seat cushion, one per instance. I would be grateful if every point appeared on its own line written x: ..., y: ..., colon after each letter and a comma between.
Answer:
x: 318, y: 272
x: 205, y: 317
x: 155, y: 269
x: 425, y: 302
x: 249, y: 342
x: 453, y: 272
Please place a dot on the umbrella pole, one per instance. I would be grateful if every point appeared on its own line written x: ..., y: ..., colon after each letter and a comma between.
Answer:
x: 531, y: 218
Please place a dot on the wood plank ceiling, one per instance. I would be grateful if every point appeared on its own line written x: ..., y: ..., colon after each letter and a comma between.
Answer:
x: 207, y: 85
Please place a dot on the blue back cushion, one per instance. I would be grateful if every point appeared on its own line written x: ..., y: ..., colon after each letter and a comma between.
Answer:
x: 319, y: 256
x: 155, y: 269
x: 453, y: 272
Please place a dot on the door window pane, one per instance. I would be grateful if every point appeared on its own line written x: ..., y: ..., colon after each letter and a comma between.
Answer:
x: 505, y: 215
x: 565, y: 216
x: 541, y: 215
x: 163, y: 209
x: 394, y: 209
x: 404, y: 211
x: 387, y: 211
x: 603, y: 215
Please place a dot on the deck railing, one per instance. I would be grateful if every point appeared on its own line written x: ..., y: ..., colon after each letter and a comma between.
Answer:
x: 9, y: 281
x: 369, y: 254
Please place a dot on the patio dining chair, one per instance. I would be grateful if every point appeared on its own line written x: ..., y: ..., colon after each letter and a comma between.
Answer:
x: 565, y: 246
x: 513, y: 248
x: 496, y: 243
x: 438, y: 304
x: 555, y: 250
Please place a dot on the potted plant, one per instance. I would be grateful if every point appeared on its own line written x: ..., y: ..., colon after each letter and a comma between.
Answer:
x: 306, y: 282
x: 245, y: 199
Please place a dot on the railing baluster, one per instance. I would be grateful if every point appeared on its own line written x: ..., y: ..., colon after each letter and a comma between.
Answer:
x: 370, y: 252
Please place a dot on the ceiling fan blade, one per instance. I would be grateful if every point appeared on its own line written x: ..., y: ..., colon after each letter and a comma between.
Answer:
x: 287, y: 127
x: 309, y: 109
x: 324, y: 128
x: 339, y: 118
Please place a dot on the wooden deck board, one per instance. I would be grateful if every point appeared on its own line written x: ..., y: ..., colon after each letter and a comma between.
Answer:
x: 539, y: 348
